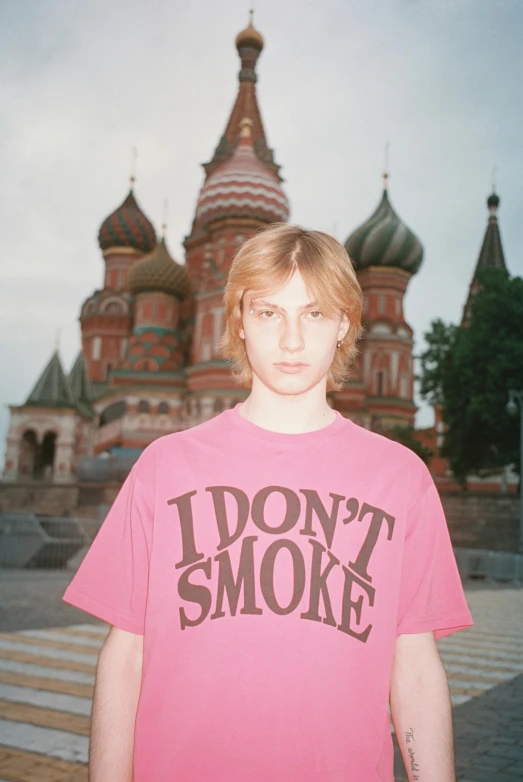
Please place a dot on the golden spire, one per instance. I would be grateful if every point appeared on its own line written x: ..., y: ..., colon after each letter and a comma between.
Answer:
x: 250, y: 36
x: 165, y: 213
x: 134, y: 157
x: 386, y: 166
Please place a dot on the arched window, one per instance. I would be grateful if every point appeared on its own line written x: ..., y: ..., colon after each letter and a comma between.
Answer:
x: 144, y: 406
x: 163, y: 408
x: 380, y: 382
x: 96, y: 350
x: 404, y: 385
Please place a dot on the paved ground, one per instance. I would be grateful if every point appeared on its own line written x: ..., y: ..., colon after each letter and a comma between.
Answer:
x: 47, y: 675
x: 484, y: 665
x: 32, y: 599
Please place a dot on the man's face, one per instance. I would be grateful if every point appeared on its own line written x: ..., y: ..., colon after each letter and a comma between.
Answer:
x: 290, y: 342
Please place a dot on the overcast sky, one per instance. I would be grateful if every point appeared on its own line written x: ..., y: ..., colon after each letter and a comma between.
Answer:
x: 83, y: 81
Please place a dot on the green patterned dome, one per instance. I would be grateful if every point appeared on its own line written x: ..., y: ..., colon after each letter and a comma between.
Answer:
x: 159, y: 272
x: 384, y: 240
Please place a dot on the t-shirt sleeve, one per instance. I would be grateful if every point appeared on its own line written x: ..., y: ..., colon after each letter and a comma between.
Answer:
x: 431, y: 593
x: 112, y: 580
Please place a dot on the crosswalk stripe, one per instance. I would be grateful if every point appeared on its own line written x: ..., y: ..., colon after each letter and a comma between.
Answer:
x: 473, y: 643
x: 467, y: 669
x: 508, y: 657
x: 50, y: 662
x: 94, y: 631
x: 488, y: 634
x: 58, y: 701
x: 59, y: 654
x: 457, y: 685
x: 478, y: 662
x: 60, y: 672
x: 50, y: 685
x: 70, y: 640
x: 44, y: 642
x: 45, y: 718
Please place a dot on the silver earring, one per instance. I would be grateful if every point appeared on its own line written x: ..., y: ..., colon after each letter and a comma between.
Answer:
x: 340, y: 342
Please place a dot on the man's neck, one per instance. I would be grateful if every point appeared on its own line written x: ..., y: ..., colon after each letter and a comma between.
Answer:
x: 287, y: 414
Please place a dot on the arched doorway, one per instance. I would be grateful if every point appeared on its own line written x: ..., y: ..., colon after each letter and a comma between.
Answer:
x: 47, y: 455
x: 28, y: 458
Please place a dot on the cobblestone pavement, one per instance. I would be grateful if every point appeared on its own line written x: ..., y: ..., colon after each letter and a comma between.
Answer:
x: 47, y: 676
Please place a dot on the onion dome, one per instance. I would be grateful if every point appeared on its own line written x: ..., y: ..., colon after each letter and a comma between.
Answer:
x: 384, y: 240
x: 159, y: 272
x: 242, y: 186
x: 493, y: 202
x: 127, y: 226
x: 250, y: 37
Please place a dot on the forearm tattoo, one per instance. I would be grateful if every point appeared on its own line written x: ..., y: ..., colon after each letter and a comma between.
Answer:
x: 409, y: 740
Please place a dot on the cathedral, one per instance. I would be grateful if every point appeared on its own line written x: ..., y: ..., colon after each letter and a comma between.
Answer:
x: 150, y: 362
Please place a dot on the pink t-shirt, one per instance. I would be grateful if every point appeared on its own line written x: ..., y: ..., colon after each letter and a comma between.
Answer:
x: 270, y: 575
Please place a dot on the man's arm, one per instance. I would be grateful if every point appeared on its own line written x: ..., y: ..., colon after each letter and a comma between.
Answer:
x: 116, y: 693
x: 421, y: 709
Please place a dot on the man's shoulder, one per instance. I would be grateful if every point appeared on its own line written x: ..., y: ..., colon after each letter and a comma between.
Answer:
x: 384, y: 451
x: 199, y: 433
x: 375, y: 441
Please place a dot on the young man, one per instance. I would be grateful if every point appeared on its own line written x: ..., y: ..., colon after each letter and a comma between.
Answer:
x: 275, y: 576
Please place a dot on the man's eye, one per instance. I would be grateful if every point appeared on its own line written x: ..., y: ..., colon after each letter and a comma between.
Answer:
x: 315, y: 312
x: 267, y: 312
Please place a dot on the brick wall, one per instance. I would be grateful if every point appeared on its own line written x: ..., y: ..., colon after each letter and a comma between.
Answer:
x: 37, y: 497
x: 480, y: 520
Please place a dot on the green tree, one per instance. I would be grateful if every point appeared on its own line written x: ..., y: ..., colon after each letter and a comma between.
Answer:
x: 435, y: 359
x: 470, y: 371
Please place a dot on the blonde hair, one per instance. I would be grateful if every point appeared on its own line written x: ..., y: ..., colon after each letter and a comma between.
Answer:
x: 266, y: 262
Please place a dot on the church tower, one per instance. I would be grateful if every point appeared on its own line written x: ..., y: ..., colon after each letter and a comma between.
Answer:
x: 386, y: 254
x: 52, y: 428
x: 491, y: 254
x: 241, y: 193
x: 125, y: 236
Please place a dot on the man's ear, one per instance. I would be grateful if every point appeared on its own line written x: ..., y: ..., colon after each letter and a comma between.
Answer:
x: 344, y: 327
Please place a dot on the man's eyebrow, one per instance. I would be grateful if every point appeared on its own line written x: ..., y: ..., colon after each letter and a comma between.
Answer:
x: 277, y: 307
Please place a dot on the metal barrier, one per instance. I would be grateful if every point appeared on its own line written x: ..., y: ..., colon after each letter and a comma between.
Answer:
x: 105, y: 469
x: 28, y: 540
x: 492, y: 566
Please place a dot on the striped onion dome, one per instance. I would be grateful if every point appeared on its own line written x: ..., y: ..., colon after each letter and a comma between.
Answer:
x: 384, y: 240
x: 242, y: 186
x: 159, y: 272
x: 127, y: 226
